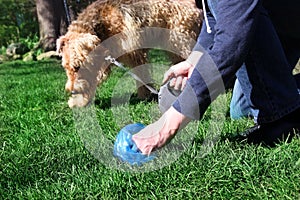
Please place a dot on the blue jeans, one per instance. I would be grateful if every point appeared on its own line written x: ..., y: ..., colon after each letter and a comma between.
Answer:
x: 240, y: 106
x: 245, y: 44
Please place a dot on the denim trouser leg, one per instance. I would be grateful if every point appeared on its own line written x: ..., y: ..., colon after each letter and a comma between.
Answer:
x: 248, y: 95
x: 239, y: 106
x: 267, y: 80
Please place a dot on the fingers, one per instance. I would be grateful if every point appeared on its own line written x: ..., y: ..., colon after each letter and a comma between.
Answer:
x: 180, y: 69
x: 156, y: 135
x: 183, y: 83
x: 172, y: 82
x: 169, y: 74
x: 178, y: 83
x: 146, y: 146
x: 147, y: 139
x: 172, y: 72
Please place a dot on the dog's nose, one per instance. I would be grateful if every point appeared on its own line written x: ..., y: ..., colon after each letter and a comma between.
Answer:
x: 77, y: 68
x: 73, y: 92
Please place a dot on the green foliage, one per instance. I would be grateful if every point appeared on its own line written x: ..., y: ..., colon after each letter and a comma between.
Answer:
x: 2, y: 50
x: 30, y: 42
x: 17, y: 20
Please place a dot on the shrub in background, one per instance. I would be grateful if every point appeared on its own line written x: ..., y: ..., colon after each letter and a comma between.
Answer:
x: 18, y: 20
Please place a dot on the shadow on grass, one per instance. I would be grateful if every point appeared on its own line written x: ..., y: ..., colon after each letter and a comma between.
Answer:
x: 105, y: 103
x: 21, y: 68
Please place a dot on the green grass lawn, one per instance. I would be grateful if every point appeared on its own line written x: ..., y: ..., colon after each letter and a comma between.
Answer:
x: 44, y: 154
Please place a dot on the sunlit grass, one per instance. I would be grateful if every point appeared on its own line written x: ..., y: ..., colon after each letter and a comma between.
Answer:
x: 42, y: 155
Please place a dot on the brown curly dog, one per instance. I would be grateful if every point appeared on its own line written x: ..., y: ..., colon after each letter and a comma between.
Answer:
x: 103, y: 20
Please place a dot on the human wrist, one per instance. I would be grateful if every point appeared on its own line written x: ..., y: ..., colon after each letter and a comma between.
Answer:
x: 176, y: 118
x: 194, y: 57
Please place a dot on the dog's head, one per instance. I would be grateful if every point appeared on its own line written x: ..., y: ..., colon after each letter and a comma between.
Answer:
x: 74, y: 49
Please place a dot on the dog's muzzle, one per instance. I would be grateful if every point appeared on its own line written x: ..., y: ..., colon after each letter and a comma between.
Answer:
x: 73, y: 92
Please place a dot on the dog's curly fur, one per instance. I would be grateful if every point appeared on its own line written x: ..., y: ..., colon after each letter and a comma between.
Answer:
x: 106, y: 18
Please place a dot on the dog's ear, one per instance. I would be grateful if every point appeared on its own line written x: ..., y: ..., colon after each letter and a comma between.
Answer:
x: 60, y: 43
x: 84, y: 44
x: 88, y: 41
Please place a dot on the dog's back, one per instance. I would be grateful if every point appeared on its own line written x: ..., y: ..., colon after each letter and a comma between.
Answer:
x: 105, y: 18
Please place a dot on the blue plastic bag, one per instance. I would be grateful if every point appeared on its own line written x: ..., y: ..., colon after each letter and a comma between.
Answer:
x: 126, y: 150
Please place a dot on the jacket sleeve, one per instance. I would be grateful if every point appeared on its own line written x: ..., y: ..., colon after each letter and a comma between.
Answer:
x: 234, y: 29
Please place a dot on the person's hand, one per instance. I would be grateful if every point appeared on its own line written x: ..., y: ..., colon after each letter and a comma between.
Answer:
x: 156, y: 135
x: 178, y: 74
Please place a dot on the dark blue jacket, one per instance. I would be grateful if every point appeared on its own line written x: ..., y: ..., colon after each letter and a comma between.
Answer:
x: 285, y: 15
x: 233, y: 36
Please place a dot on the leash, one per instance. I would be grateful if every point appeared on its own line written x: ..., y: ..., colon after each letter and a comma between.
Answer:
x: 67, y: 13
x: 134, y: 76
